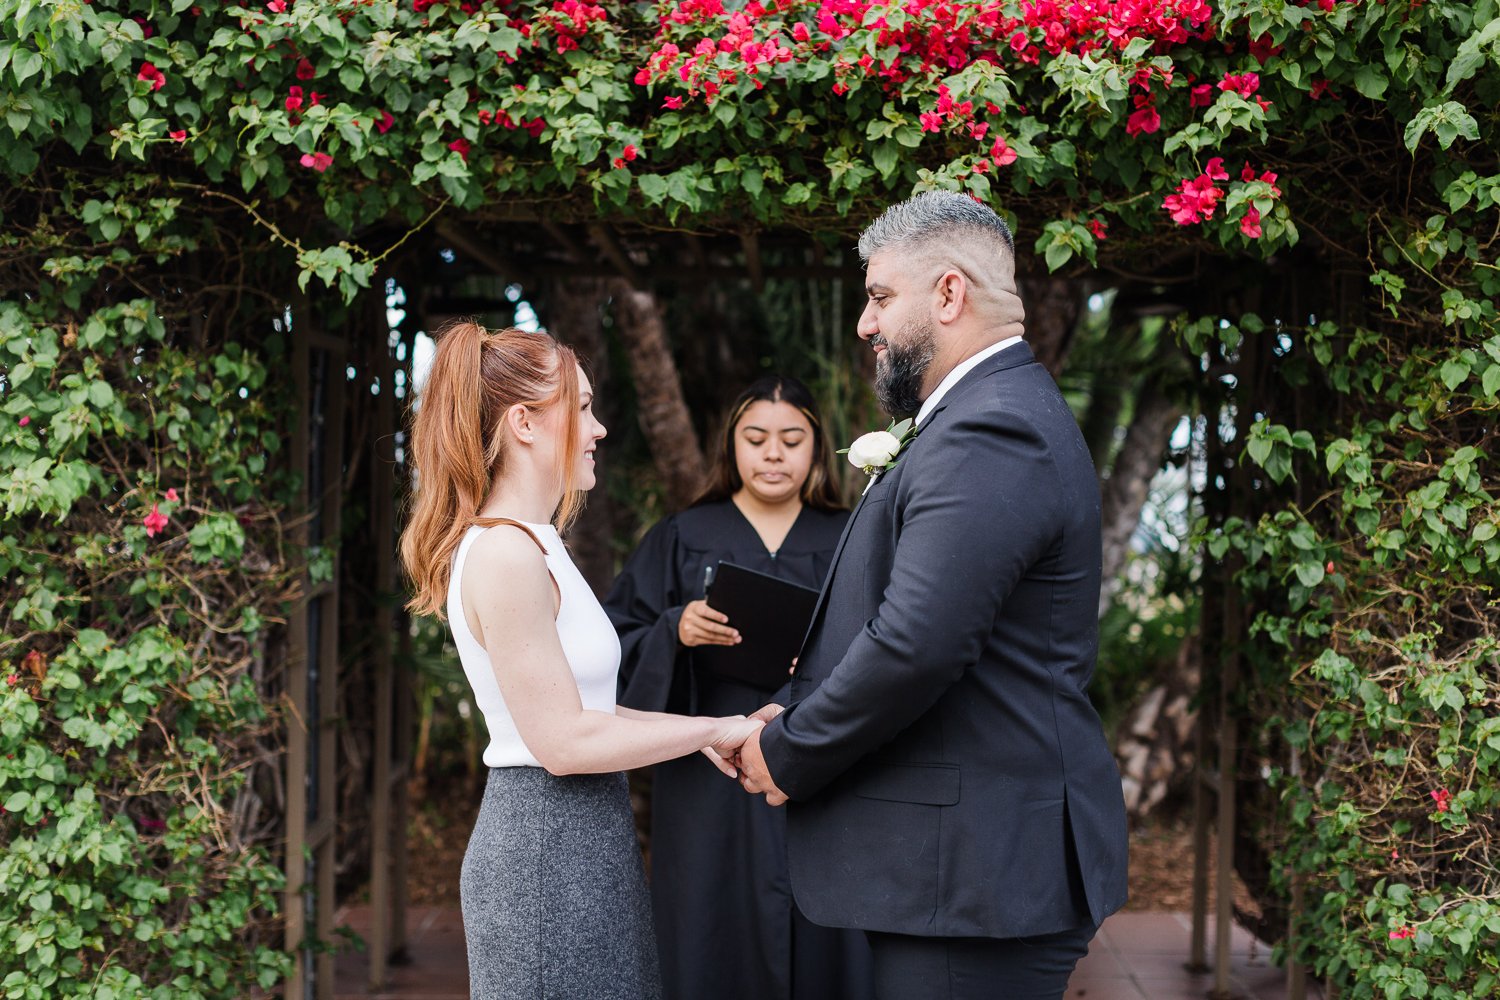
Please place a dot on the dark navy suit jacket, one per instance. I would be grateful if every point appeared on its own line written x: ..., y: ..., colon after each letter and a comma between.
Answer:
x: 947, y: 773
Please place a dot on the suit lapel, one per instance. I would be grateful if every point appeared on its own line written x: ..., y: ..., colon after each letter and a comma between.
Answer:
x: 1011, y: 357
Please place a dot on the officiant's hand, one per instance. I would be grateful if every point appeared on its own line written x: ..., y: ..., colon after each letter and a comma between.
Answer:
x: 724, y: 751
x: 701, y: 625
x: 754, y: 775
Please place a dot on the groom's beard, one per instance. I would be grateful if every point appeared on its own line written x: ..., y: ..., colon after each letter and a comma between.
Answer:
x: 899, y: 371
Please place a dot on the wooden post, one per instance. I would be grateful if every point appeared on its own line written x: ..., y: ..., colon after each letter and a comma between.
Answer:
x: 294, y: 907
x: 382, y: 499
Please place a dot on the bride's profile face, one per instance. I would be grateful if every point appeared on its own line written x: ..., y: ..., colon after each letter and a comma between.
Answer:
x: 590, y: 433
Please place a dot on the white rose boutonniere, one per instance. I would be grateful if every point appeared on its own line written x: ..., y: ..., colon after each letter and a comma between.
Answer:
x: 875, y: 452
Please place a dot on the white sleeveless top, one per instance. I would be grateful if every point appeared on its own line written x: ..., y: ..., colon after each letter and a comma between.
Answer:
x: 588, y: 640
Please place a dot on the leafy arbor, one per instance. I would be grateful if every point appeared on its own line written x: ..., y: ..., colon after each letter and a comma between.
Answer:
x: 175, y: 171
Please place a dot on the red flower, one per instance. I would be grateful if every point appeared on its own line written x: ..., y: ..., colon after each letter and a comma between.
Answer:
x: 1099, y: 228
x: 535, y: 127
x: 931, y: 121
x: 1441, y: 799
x: 276, y: 6
x: 155, y: 521
x: 315, y: 98
x: 1001, y: 153
x: 152, y: 75
x: 386, y: 121
x: 1263, y: 49
x: 1194, y: 201
x: 1202, y: 95
x: 24, y: 421
x: 294, y: 98
x: 1215, y: 169
x: 629, y: 152
x: 12, y: 680
x: 1243, y: 84
x: 1144, y: 119
x: 1250, y: 224
x: 800, y: 32
x: 305, y: 70
x: 1321, y: 89
x: 461, y: 147
x: 178, y: 136
x: 672, y: 103
x: 981, y: 166
x: 318, y: 161
x: 172, y: 494
x: 1401, y: 933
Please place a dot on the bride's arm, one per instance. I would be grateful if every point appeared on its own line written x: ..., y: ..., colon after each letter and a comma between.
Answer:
x: 506, y: 584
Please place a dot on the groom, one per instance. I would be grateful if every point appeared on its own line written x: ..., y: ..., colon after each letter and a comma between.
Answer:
x: 952, y: 792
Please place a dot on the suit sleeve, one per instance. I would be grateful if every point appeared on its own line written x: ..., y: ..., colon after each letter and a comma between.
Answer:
x: 974, y: 513
x: 645, y: 605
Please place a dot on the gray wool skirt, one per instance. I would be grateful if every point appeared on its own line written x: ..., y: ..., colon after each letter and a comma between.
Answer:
x: 554, y: 893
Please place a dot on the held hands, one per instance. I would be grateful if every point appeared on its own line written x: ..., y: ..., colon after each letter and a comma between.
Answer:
x: 754, y: 776
x: 701, y: 625
x: 734, y: 731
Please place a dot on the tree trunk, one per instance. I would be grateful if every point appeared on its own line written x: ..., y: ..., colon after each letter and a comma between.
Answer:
x: 1154, y: 744
x: 1052, y: 308
x: 663, y: 413
x: 572, y: 315
x: 1129, y: 482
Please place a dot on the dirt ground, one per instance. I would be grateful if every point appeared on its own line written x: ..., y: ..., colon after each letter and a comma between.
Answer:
x: 1161, y: 868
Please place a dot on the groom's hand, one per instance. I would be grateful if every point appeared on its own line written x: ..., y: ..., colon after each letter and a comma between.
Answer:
x: 754, y: 777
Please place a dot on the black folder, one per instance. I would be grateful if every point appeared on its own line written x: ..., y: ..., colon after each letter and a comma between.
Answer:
x: 771, y: 616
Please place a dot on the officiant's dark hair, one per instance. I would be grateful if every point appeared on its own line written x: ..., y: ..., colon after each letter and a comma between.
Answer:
x: 819, y: 491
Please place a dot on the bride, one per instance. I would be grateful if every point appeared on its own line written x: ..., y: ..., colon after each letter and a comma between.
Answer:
x: 552, y: 887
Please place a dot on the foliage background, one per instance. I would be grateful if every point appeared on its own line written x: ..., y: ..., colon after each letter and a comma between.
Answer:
x: 1317, y: 180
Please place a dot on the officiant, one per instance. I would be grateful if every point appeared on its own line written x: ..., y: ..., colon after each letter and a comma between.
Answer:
x: 726, y: 924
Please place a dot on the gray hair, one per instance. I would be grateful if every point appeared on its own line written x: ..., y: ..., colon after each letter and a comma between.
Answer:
x: 932, y: 216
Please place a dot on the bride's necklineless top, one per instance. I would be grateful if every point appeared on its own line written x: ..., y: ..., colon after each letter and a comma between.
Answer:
x: 588, y: 640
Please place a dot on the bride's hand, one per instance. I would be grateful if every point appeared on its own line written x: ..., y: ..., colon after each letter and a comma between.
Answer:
x: 733, y: 733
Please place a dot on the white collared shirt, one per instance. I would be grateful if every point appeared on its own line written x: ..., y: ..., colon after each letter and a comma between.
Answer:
x: 963, y: 368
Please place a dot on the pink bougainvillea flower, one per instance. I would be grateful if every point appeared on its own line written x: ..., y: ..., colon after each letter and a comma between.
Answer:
x: 276, y: 6
x: 179, y: 136
x: 629, y: 153
x: 1001, y: 153
x: 1263, y: 49
x: 1321, y: 89
x: 12, y: 680
x: 155, y: 521
x: 1145, y: 119
x: 1441, y: 799
x: 294, y: 98
x: 1215, y: 169
x: 800, y: 32
x: 672, y: 103
x: 461, y: 147
x: 931, y: 121
x: 1194, y: 201
x: 24, y: 421
x: 172, y: 494
x: 1402, y: 933
x: 305, y: 69
x: 152, y: 75
x: 1250, y: 224
x: 384, y: 124
x: 1099, y: 228
x: 1201, y: 96
x: 318, y: 161
x: 537, y: 126
x: 1243, y: 84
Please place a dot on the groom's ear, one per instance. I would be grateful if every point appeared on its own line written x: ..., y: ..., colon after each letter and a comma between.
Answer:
x: 952, y: 292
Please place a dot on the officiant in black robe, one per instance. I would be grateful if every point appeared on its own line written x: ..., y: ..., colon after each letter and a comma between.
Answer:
x: 726, y: 924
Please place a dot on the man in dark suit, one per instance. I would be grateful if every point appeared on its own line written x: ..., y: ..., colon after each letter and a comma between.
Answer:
x: 951, y: 789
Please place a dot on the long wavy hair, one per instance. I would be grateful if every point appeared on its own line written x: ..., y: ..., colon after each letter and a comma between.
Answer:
x: 458, y: 448
x: 724, y: 481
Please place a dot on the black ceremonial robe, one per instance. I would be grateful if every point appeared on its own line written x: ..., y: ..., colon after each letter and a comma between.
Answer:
x: 725, y: 923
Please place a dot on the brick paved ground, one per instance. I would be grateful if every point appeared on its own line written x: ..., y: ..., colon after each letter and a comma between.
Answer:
x: 1137, y: 956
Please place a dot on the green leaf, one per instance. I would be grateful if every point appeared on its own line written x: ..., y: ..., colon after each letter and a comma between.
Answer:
x: 1453, y: 372
x: 1370, y: 81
